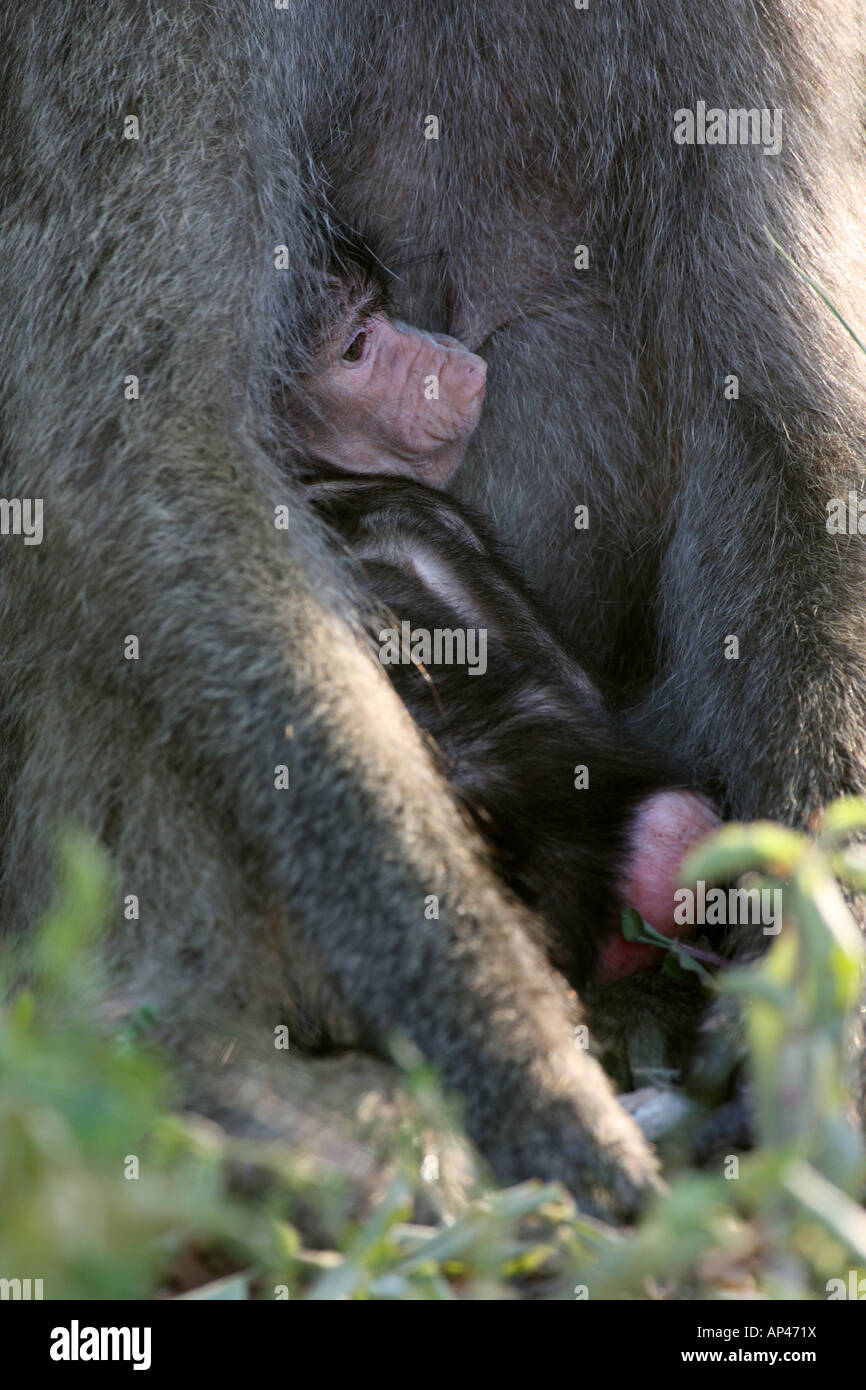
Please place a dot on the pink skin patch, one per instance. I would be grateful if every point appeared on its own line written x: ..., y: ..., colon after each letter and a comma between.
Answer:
x: 399, y: 401
x: 664, y: 827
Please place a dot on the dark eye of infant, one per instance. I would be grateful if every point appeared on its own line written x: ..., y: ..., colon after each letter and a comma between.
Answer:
x: 356, y: 347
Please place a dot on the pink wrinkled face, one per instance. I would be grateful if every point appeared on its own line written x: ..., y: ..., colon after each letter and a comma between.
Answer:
x: 392, y: 399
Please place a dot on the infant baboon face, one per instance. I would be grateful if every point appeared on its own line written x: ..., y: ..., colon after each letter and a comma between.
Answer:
x: 384, y: 397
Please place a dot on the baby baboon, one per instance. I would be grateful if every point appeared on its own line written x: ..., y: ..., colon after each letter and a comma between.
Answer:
x: 382, y: 397
x: 581, y: 818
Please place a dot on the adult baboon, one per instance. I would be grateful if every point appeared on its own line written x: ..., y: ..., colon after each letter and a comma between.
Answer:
x: 153, y: 257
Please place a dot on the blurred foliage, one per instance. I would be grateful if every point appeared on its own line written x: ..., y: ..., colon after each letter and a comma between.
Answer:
x: 81, y: 1097
x: 78, y: 1109
x: 783, y: 1220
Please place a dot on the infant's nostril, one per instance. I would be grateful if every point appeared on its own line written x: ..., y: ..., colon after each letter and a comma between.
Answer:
x: 476, y: 368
